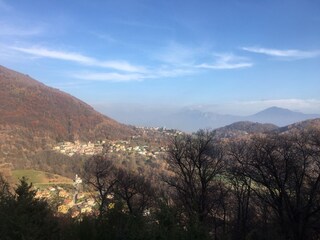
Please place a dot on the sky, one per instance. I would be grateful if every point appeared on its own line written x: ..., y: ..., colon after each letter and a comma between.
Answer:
x: 129, y: 57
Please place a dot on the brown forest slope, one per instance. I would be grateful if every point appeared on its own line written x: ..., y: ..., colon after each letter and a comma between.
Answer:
x: 33, y: 115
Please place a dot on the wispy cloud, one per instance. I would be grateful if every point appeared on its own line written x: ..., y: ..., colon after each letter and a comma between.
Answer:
x: 120, y: 65
x: 79, y: 58
x: 182, y: 56
x: 42, y: 52
x: 126, y: 77
x: 177, y: 61
x: 177, y: 54
x: 127, y: 71
x: 288, y: 53
x: 171, y: 72
x: 109, y: 76
x: 227, y: 61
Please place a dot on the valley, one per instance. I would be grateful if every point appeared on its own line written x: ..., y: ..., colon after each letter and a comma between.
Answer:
x: 159, y: 120
x: 85, y: 165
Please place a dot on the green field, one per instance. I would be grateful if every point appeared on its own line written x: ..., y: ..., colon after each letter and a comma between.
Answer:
x: 40, y: 178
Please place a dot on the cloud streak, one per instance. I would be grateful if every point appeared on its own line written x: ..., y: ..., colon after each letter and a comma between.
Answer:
x: 120, y: 71
x: 180, y: 61
x: 126, y: 77
x: 289, y: 53
x: 227, y: 61
x: 182, y: 56
x: 79, y: 58
x: 110, y: 76
x: 179, y: 55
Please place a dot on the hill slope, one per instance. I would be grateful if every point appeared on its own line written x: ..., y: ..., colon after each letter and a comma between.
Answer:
x: 243, y: 128
x: 300, y: 126
x: 33, y: 115
x: 247, y: 129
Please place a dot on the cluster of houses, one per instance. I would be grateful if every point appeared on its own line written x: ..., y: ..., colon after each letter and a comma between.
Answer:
x: 77, y: 147
x: 89, y: 148
x: 68, y: 200
x: 127, y: 147
x: 135, y: 146
x: 161, y: 132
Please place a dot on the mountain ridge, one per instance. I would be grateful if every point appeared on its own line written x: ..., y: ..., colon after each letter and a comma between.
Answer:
x: 33, y: 116
x: 191, y: 120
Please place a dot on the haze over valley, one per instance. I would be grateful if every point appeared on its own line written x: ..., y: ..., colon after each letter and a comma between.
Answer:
x: 191, y: 120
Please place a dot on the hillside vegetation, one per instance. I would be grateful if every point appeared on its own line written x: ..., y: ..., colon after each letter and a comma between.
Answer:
x: 34, y: 116
x: 39, y: 178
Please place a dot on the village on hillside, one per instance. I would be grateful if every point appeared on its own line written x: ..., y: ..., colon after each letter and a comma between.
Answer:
x: 133, y: 146
x: 72, y: 200
x: 69, y: 199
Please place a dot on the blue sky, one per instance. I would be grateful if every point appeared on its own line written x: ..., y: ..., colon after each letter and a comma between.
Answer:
x: 236, y: 56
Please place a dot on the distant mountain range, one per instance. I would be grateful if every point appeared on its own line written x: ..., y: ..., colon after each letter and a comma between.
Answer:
x: 190, y: 120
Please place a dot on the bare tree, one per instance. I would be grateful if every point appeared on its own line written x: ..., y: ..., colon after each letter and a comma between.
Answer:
x: 98, y: 173
x: 285, y: 172
x: 240, y: 190
x: 135, y: 190
x: 195, y: 162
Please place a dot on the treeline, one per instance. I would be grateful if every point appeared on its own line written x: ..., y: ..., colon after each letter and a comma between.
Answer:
x: 263, y: 187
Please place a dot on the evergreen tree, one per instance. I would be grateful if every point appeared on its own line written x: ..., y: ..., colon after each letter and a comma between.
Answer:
x: 26, y: 217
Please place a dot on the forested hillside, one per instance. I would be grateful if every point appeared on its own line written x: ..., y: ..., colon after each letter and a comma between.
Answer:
x: 33, y: 117
x: 264, y: 186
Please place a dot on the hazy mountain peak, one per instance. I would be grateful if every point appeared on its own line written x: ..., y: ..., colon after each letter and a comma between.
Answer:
x: 280, y: 116
x: 275, y: 110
